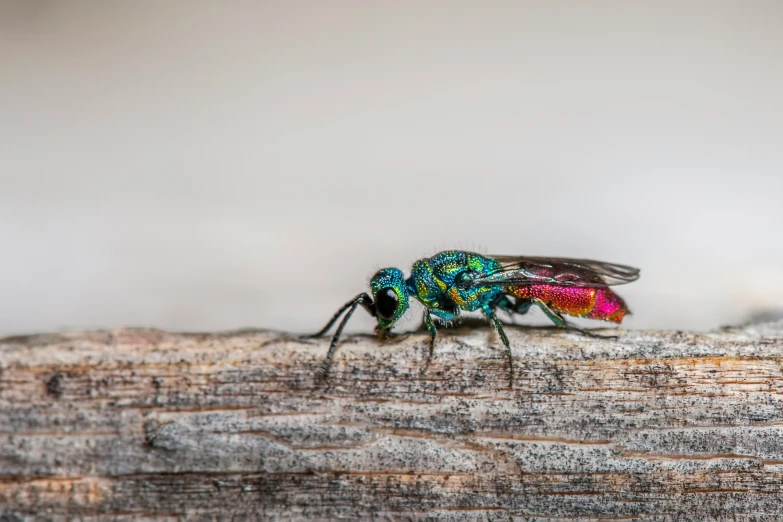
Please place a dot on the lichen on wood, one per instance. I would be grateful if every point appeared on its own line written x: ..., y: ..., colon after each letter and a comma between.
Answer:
x: 145, y: 424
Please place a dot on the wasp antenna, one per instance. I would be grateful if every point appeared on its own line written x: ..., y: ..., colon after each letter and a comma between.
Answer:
x: 353, y: 302
x: 362, y: 299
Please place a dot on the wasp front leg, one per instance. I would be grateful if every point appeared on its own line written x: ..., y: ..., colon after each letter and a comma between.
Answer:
x: 387, y: 336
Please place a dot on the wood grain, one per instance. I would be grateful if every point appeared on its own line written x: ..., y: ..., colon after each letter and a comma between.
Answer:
x: 143, y: 424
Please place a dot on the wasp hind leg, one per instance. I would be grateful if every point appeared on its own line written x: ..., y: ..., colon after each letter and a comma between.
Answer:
x: 557, y: 318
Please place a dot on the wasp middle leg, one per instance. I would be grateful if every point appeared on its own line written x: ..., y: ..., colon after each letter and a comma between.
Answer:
x: 433, y: 333
x: 492, y: 316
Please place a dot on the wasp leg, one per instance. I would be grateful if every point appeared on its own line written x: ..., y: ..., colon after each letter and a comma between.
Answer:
x: 499, y: 328
x: 560, y: 322
x: 433, y: 333
x: 443, y: 315
x: 505, y: 304
x: 389, y: 337
x: 361, y: 299
x: 517, y: 306
x: 523, y: 306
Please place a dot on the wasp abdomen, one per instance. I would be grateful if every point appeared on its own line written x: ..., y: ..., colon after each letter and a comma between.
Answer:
x: 592, y: 302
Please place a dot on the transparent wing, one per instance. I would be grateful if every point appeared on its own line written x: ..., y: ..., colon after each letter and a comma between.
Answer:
x: 561, y: 271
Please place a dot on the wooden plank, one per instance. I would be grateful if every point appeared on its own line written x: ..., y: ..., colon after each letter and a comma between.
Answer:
x: 144, y: 424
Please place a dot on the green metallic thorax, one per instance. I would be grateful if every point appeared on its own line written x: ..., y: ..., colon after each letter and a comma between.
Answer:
x: 440, y: 282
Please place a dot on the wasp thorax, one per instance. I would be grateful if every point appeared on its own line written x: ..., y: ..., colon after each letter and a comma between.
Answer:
x: 464, y: 279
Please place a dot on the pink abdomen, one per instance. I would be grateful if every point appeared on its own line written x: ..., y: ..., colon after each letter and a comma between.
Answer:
x: 580, y: 301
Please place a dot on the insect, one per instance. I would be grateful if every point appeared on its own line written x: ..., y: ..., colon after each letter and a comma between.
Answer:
x: 456, y: 281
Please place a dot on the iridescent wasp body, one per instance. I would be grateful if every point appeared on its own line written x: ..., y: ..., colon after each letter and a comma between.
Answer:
x: 455, y: 281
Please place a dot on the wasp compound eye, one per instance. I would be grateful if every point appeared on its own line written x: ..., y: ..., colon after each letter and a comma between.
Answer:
x: 386, y: 302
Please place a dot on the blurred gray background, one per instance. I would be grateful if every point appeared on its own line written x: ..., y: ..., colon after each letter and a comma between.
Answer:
x: 215, y: 165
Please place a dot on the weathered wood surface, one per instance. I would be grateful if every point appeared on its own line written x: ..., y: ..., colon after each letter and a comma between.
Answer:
x: 144, y: 424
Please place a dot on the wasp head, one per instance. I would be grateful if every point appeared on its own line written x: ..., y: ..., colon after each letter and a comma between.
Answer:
x: 390, y: 295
